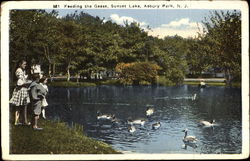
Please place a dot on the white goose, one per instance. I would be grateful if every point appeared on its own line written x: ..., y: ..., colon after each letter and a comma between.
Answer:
x: 105, y: 116
x: 156, y: 125
x: 189, y: 139
x: 137, y: 121
x: 149, y: 111
x: 131, y: 129
x: 207, y: 123
x: 194, y: 97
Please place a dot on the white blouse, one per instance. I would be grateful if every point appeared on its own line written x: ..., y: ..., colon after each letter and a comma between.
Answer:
x: 21, y: 76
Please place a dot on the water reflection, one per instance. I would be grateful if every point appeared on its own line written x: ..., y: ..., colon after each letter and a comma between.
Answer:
x: 187, y: 144
x: 174, y: 107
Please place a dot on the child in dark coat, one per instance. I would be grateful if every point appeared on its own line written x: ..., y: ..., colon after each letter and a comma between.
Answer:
x: 37, y: 94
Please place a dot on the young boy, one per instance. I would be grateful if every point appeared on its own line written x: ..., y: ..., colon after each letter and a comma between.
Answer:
x: 37, y: 94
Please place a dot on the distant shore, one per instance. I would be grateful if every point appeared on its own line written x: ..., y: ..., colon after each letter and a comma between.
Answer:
x: 209, y: 80
x: 61, y: 82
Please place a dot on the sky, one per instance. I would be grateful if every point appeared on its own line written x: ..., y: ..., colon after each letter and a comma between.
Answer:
x: 185, y: 23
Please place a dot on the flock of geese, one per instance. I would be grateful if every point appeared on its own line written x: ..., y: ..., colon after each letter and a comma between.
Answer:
x: 187, y: 139
x: 131, y: 123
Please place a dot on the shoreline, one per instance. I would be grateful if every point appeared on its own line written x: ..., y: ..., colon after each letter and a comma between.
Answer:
x: 55, y: 138
x: 209, y: 82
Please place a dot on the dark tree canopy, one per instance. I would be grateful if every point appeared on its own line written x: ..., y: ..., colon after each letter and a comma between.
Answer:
x: 80, y: 44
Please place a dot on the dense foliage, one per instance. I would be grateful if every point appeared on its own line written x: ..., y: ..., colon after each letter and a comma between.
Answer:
x: 80, y: 45
x: 134, y: 73
x: 218, y: 47
x: 223, y: 34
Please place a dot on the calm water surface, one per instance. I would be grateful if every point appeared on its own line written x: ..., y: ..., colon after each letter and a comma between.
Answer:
x: 174, y: 108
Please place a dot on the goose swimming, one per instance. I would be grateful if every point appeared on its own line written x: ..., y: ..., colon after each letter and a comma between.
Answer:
x: 131, y: 129
x: 190, y: 139
x: 207, y: 123
x: 149, y: 111
x: 190, y: 144
x: 137, y: 121
x: 156, y: 125
x: 105, y: 116
x: 116, y: 121
x: 194, y: 97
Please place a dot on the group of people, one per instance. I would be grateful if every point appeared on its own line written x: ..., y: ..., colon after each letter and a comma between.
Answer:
x: 29, y: 94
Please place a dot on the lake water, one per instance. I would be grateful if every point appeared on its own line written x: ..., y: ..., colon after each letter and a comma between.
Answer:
x: 174, y: 108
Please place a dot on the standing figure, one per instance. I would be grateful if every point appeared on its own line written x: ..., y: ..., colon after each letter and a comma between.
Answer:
x: 37, y: 94
x: 36, y: 68
x: 43, y: 83
x: 20, y: 97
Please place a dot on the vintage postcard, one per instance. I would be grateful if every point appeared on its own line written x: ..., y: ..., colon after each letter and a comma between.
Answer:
x: 124, y: 80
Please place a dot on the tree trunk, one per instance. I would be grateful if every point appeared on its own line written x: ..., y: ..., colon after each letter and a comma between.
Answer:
x: 50, y: 70
x: 68, y: 74
x: 228, y: 78
x: 77, y: 77
x: 53, y: 71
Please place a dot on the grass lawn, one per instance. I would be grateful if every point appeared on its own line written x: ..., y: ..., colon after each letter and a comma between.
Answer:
x: 234, y: 84
x: 55, y: 138
x: 207, y: 83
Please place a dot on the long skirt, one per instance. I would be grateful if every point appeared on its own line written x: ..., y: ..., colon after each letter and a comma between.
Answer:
x: 20, y: 96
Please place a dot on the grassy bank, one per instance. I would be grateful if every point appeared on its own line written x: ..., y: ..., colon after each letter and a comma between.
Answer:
x: 71, y: 84
x: 234, y: 84
x: 207, y: 83
x: 84, y: 84
x: 55, y: 138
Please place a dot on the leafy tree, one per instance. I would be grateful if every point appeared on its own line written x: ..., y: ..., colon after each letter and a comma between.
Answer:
x: 22, y: 33
x: 171, y: 56
x: 80, y: 44
x: 134, y: 42
x: 46, y: 40
x: 223, y: 31
x: 70, y: 45
x: 34, y: 36
x: 198, y: 57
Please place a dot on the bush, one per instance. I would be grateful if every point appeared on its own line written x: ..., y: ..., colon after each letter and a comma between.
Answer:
x: 137, y: 72
x: 162, y: 81
x: 175, y: 76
